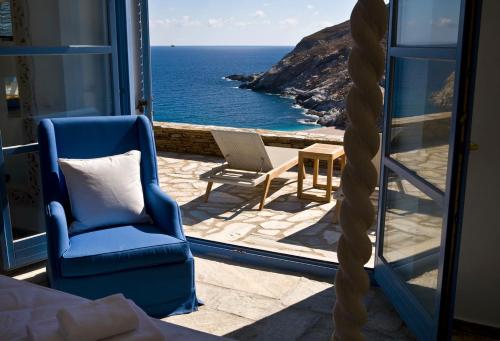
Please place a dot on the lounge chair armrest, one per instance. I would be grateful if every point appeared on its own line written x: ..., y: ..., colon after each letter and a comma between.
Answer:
x: 165, y: 211
x: 57, y: 229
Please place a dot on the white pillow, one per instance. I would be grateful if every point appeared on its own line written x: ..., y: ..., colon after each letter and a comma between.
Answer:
x: 105, y: 191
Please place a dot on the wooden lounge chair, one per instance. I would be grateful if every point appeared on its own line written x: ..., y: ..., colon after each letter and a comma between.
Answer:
x: 248, y: 161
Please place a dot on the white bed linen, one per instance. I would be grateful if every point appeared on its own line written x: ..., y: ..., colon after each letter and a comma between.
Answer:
x: 22, y: 303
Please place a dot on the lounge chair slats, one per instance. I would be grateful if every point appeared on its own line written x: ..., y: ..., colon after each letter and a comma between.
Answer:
x: 243, y: 150
x: 248, y: 161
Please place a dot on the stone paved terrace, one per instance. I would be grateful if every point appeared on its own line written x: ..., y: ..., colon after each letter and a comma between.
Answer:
x: 246, y: 303
x: 286, y: 225
x: 294, y: 226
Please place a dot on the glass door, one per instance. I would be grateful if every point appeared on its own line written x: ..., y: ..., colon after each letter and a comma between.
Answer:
x: 57, y: 59
x: 422, y: 165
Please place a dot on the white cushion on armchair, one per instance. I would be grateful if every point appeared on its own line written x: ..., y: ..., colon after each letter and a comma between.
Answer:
x: 105, y: 191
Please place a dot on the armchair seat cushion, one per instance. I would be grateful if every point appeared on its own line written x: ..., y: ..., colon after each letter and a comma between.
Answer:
x: 121, y: 248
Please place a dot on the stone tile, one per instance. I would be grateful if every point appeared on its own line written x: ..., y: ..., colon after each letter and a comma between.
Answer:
x: 268, y: 232
x: 322, y: 330
x: 236, y: 302
x: 331, y: 236
x: 311, y: 295
x: 263, y: 283
x: 255, y: 220
x: 279, y: 217
x: 233, y: 232
x: 275, y: 224
x: 296, y: 228
x: 288, y: 324
x: 210, y: 321
x: 306, y: 215
x: 383, y: 317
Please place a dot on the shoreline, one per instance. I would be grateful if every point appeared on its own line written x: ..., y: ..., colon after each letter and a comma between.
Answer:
x: 311, y: 115
x: 328, y: 131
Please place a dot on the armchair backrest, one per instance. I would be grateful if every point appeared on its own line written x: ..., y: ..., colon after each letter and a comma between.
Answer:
x: 92, y: 137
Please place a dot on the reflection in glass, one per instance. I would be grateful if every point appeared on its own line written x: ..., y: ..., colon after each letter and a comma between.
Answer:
x: 412, y: 237
x: 54, y: 23
x: 428, y: 22
x: 51, y: 86
x: 5, y: 21
x: 12, y: 94
x: 421, y: 107
x: 24, y: 194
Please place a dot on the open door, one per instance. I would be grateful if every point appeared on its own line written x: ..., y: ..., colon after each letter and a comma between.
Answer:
x: 57, y: 59
x: 430, y: 59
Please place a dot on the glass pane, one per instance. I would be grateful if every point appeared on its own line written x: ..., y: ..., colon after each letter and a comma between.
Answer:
x: 422, y: 101
x: 54, y: 22
x: 51, y: 86
x: 428, y: 22
x: 5, y: 21
x: 22, y: 178
x: 412, y: 237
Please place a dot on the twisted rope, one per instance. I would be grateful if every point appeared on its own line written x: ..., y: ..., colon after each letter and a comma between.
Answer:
x: 361, y: 143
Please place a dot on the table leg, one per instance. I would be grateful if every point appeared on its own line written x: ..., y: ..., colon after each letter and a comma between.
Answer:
x: 302, y: 175
x: 329, y: 175
x: 315, y: 173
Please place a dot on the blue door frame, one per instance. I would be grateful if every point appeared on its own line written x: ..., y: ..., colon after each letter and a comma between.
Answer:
x: 464, y: 54
x: 18, y: 253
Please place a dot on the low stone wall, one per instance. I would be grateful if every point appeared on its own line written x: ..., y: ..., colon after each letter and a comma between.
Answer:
x: 197, y: 139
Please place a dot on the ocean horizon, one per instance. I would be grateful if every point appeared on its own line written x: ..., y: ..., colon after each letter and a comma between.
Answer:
x: 189, y: 86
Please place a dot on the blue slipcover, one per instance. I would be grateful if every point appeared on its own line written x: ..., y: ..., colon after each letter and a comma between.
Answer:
x: 150, y: 264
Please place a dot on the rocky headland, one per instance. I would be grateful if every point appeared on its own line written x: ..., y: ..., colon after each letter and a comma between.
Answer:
x: 314, y: 74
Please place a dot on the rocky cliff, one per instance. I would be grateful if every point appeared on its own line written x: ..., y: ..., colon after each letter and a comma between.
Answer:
x: 314, y: 73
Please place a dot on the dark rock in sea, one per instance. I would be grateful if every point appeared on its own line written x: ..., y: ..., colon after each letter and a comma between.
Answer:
x: 315, y: 113
x: 327, y: 121
x: 244, y: 78
x: 333, y: 119
x: 314, y: 73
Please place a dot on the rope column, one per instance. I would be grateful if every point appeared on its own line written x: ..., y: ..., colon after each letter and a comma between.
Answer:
x: 361, y: 143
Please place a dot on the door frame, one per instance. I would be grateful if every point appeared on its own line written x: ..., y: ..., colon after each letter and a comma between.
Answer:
x: 32, y: 249
x: 465, y: 57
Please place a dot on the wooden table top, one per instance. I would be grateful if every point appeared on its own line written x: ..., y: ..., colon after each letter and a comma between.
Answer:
x: 322, y: 149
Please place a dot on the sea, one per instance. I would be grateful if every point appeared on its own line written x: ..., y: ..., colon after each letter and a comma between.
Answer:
x: 189, y: 86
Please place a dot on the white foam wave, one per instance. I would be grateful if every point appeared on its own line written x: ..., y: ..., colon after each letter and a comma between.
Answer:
x: 306, y: 121
x: 316, y: 117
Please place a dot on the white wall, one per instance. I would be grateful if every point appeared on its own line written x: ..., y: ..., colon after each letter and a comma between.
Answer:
x: 478, y: 287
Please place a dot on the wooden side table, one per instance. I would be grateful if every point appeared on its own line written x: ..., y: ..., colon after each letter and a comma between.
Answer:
x: 317, y: 152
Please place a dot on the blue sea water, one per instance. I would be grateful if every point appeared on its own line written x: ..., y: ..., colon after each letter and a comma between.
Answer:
x: 189, y: 87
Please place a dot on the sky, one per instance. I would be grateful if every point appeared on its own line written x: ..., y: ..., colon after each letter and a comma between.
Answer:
x: 242, y: 22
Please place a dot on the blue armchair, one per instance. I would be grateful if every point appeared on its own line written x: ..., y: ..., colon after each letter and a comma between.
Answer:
x: 149, y: 263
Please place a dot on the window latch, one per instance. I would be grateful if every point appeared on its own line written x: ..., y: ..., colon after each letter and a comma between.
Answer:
x: 141, y: 105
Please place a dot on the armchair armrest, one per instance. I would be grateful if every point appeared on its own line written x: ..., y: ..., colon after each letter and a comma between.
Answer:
x: 57, y: 230
x: 164, y: 210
